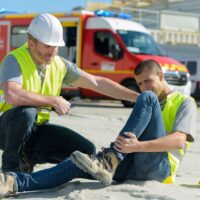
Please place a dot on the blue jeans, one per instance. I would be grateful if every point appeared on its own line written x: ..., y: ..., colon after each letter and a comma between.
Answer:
x: 46, y: 143
x: 145, y: 122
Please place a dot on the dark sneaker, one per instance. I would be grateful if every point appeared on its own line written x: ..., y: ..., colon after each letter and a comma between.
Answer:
x: 6, y: 185
x: 101, y: 166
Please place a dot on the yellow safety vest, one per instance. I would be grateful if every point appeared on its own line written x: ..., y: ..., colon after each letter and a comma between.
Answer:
x: 51, y: 85
x: 173, y: 102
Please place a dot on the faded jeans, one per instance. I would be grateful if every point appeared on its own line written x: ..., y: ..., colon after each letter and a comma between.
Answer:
x: 145, y: 122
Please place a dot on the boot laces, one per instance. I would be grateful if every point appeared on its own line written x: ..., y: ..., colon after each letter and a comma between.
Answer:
x: 103, y: 159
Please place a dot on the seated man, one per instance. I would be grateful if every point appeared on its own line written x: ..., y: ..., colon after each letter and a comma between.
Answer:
x: 146, y: 148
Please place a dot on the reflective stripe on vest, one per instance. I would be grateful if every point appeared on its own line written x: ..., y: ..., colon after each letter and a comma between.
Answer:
x: 173, y: 102
x: 54, y: 75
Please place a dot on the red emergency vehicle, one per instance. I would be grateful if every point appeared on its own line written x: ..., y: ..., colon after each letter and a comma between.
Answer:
x: 102, y: 44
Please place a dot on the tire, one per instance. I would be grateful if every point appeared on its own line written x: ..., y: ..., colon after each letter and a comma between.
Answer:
x: 130, y: 84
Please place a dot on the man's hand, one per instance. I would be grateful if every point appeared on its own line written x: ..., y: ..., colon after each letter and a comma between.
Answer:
x: 61, y: 106
x: 17, y: 96
x: 126, y: 145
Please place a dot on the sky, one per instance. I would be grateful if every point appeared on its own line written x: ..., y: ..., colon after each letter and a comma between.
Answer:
x: 44, y: 5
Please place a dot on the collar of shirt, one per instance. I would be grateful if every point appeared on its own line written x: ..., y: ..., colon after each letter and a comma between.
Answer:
x: 162, y: 103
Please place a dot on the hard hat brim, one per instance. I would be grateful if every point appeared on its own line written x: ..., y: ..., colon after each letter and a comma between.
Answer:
x: 61, y: 44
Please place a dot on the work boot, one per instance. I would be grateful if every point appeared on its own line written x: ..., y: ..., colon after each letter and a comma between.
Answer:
x: 6, y: 185
x: 101, y: 166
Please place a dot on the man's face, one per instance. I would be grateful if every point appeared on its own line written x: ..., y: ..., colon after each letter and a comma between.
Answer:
x: 42, y: 53
x: 149, y: 80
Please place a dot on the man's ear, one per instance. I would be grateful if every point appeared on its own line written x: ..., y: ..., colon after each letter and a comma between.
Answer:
x: 31, y: 43
x: 161, y: 75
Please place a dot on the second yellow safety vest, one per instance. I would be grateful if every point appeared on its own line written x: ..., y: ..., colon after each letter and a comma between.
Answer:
x: 173, y: 102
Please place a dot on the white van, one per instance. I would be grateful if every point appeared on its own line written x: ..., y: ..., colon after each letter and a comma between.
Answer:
x: 194, y: 69
x: 190, y: 57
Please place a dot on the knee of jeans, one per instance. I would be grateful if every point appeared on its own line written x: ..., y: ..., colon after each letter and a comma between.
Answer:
x: 147, y: 96
x: 27, y: 114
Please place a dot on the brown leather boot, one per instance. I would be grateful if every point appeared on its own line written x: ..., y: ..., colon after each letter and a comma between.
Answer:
x: 101, y: 166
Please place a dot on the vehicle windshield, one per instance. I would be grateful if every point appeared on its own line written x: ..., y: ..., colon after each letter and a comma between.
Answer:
x: 139, y: 43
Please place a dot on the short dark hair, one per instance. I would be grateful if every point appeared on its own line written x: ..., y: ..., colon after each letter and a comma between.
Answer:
x: 147, y: 64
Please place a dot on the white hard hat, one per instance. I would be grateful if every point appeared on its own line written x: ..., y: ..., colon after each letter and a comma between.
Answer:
x: 47, y: 29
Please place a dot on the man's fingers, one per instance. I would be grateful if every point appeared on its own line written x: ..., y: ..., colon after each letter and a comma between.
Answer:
x: 118, y: 143
x: 117, y: 148
x: 63, y: 106
x: 122, y: 140
x: 130, y: 135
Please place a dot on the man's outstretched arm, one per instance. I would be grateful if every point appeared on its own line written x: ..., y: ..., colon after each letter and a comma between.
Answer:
x: 105, y: 86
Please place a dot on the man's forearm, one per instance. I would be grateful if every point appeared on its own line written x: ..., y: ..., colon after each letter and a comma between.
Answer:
x: 20, y: 96
x: 105, y: 86
x: 168, y: 143
x: 110, y: 88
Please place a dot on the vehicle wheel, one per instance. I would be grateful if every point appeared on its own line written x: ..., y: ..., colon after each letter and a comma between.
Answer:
x: 130, y: 84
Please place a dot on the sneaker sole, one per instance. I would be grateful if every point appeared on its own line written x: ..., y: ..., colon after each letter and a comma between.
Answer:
x: 84, y: 163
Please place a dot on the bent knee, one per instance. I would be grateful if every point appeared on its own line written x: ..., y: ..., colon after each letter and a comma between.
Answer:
x: 26, y: 113
x: 147, y: 96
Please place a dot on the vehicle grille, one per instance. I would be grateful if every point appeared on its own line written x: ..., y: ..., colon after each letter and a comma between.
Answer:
x: 176, y: 78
